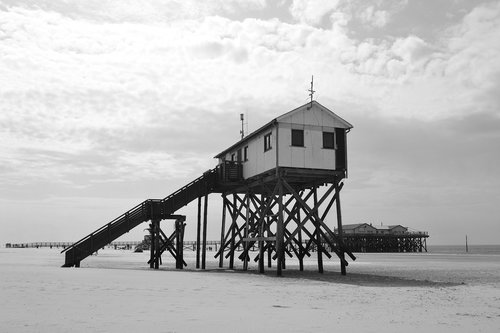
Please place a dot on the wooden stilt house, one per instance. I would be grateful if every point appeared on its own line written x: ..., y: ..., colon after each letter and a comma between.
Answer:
x: 269, y: 182
x: 310, y: 137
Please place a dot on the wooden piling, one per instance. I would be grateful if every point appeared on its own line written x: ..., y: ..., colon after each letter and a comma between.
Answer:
x: 204, y: 248
x: 222, y: 230
x: 198, y: 234
x: 279, y: 231
x: 340, y: 232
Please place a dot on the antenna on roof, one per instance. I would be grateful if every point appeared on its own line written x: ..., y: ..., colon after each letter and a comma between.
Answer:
x: 242, y: 118
x: 311, y: 91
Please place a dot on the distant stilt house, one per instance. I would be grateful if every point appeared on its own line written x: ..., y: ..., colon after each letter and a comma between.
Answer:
x: 364, y: 237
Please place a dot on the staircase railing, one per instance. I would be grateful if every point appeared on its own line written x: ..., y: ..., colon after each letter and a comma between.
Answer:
x: 128, y: 214
x: 146, y: 210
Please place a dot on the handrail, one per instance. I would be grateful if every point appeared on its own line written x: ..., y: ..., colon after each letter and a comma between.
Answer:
x: 139, y: 206
x: 105, y: 226
x: 413, y: 233
x: 190, y: 184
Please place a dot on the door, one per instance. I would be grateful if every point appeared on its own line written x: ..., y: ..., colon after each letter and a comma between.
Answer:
x: 341, y: 149
x: 239, y: 156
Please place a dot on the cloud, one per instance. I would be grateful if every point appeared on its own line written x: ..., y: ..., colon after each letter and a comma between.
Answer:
x: 110, y: 93
x: 411, y: 49
x: 473, y: 47
x: 373, y: 17
x: 312, y: 11
x: 146, y: 11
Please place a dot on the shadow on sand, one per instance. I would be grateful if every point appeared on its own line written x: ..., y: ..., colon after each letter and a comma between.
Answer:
x: 357, y: 279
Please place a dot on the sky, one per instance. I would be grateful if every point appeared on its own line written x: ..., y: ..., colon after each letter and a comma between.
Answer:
x: 104, y: 104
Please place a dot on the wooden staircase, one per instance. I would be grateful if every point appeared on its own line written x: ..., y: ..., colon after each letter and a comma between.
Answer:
x: 151, y: 209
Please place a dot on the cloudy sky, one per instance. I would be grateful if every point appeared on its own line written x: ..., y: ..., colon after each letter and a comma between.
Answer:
x: 106, y: 103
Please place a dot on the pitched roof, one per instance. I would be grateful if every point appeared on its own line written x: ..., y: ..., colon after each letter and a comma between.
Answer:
x: 307, y: 105
x: 389, y: 227
x: 353, y: 226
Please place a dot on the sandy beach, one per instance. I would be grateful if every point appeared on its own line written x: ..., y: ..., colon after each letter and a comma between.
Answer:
x: 115, y: 291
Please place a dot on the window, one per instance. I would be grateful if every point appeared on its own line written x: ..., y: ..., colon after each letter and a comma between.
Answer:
x: 329, y: 140
x: 267, y: 142
x: 298, y: 138
x: 245, y: 154
x: 232, y: 157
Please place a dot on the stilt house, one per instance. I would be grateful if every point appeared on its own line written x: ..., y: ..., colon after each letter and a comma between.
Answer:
x: 269, y: 183
x: 310, y: 137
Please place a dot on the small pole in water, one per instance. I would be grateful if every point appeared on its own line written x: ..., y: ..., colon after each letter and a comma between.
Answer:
x: 466, y: 245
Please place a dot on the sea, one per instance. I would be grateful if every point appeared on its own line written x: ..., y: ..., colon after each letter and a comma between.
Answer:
x: 461, y: 249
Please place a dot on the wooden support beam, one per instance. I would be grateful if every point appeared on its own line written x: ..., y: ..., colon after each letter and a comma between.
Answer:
x: 226, y: 240
x: 299, y: 240
x: 312, y: 236
x: 152, y: 246
x: 223, y: 226
x: 157, y: 244
x: 261, y: 242
x: 179, y: 231
x: 318, y: 233
x: 167, y: 243
x: 280, y: 230
x: 252, y: 225
x: 198, y: 234
x: 245, y: 239
x: 269, y: 245
x: 235, y: 229
x: 340, y: 232
x: 312, y: 213
x: 204, y: 249
x: 233, y: 234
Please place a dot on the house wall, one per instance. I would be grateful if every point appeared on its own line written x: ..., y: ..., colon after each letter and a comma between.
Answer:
x: 312, y: 155
x: 313, y: 122
x: 258, y: 160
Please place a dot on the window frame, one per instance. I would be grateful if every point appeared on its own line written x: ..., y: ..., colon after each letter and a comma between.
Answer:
x: 245, y: 154
x: 267, y: 142
x: 332, y: 140
x: 300, y: 138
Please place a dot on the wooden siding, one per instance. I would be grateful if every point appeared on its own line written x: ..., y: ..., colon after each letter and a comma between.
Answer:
x: 312, y: 155
x: 313, y: 121
x: 258, y: 160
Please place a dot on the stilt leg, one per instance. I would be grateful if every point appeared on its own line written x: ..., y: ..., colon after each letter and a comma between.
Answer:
x: 152, y: 246
x: 299, y: 235
x: 198, y: 234
x: 280, y: 231
x: 222, y: 231
x: 247, y: 222
x: 340, y: 231
x: 204, y: 248
x: 233, y: 234
x: 318, y: 235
